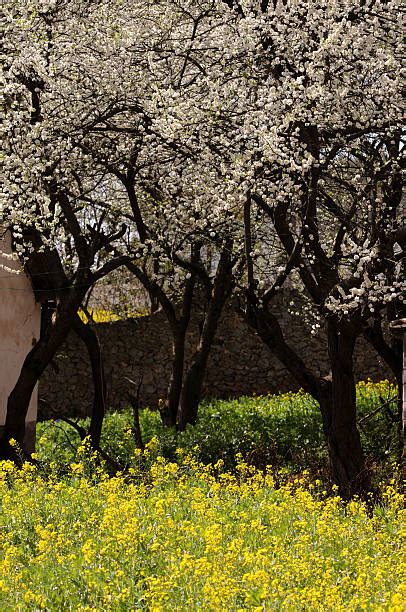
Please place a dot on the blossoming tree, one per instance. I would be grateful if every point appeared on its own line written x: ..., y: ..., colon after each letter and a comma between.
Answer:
x: 55, y: 194
x: 87, y: 152
x: 314, y: 141
x: 302, y: 117
x: 266, y: 133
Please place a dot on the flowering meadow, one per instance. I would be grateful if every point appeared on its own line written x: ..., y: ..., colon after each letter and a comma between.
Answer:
x: 183, y: 534
x: 188, y: 536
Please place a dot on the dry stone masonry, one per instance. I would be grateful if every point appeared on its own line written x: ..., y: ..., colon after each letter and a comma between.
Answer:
x: 240, y: 364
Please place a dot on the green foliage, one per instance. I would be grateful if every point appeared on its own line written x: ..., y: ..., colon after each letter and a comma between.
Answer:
x: 284, y: 431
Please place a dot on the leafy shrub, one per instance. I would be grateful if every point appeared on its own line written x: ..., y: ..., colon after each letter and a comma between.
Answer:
x: 283, y: 430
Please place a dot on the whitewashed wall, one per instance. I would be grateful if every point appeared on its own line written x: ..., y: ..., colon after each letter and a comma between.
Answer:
x: 20, y: 318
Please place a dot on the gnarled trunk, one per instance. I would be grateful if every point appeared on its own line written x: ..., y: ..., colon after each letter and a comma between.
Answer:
x: 335, y: 395
x: 194, y: 377
x: 34, y: 365
x: 346, y: 454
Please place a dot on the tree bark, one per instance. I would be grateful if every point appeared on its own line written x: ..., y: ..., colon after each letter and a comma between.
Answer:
x: 193, y: 380
x: 87, y: 334
x: 335, y: 394
x: 179, y: 327
x: 346, y: 454
x: 34, y: 365
x: 192, y: 387
x: 170, y: 409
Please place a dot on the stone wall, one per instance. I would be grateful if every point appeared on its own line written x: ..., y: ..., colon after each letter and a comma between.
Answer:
x: 240, y: 364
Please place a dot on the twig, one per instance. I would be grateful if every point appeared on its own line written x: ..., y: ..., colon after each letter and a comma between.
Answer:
x: 380, y: 407
x: 83, y: 434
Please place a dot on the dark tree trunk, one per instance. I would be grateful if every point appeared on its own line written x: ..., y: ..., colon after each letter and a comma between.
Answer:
x: 335, y: 395
x: 34, y: 365
x: 179, y: 327
x: 87, y: 334
x: 346, y: 454
x: 192, y: 387
x: 194, y: 377
x: 170, y: 409
x: 19, y: 399
x: 135, y: 405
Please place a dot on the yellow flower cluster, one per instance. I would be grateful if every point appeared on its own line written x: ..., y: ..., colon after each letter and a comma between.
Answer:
x: 187, y: 536
x: 98, y: 315
x: 381, y: 387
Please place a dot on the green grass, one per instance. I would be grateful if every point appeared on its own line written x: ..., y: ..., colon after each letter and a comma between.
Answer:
x: 284, y: 431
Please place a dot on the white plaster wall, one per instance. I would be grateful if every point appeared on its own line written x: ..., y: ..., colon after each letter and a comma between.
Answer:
x: 20, y: 318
